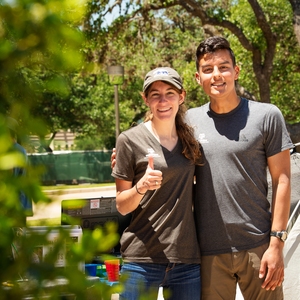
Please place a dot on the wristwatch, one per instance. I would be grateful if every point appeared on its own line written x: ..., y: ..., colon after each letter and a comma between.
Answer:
x: 282, y: 235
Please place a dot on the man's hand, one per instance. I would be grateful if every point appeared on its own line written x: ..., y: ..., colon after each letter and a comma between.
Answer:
x: 113, y: 158
x: 272, y: 266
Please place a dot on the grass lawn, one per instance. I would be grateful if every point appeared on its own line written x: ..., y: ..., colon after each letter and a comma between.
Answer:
x: 44, y: 222
x: 78, y: 186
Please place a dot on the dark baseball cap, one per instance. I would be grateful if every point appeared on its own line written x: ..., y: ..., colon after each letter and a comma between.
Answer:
x: 163, y: 74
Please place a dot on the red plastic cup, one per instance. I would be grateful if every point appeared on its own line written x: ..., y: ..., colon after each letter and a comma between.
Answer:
x: 112, y: 269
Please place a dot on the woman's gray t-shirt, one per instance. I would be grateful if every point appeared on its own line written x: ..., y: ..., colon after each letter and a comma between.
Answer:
x: 162, y: 228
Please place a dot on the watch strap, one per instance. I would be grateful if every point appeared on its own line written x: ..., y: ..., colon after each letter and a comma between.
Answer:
x: 282, y: 235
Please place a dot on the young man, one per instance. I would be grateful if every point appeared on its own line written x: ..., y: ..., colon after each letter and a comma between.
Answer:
x: 240, y: 240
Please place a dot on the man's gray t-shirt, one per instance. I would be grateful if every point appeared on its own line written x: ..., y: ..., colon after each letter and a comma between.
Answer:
x: 162, y: 228
x: 231, y: 207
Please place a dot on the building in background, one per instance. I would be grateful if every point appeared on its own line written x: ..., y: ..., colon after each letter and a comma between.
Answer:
x: 63, y: 141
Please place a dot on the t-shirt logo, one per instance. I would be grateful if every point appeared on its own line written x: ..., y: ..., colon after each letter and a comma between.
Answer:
x: 202, y: 138
x: 151, y: 152
x: 243, y: 138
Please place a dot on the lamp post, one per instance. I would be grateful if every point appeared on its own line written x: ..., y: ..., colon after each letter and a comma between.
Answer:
x: 116, y: 77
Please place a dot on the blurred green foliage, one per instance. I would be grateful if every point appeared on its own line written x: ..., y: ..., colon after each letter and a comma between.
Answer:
x: 40, y: 42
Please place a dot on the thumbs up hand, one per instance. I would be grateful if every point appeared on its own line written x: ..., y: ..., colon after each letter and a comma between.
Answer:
x: 152, y: 178
x: 151, y: 162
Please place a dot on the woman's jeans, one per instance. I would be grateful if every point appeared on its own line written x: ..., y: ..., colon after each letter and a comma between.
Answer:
x: 179, y: 281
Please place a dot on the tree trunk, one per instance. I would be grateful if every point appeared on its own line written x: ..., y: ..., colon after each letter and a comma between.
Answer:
x: 296, y: 18
x: 264, y: 88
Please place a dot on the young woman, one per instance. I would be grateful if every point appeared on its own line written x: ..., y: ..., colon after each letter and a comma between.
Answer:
x: 154, y: 172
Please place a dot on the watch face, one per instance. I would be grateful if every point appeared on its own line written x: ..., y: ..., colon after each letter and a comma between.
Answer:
x: 280, y: 234
x: 283, y: 235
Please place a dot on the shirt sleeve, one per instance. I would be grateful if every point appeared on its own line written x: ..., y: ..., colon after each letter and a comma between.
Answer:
x: 277, y: 138
x: 124, y: 168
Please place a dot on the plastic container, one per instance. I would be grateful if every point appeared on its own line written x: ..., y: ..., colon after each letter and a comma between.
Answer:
x: 112, y: 269
x: 91, y: 269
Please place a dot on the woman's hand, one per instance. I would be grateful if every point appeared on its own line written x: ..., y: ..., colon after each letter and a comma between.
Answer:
x: 128, y: 197
x: 151, y: 180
